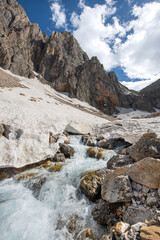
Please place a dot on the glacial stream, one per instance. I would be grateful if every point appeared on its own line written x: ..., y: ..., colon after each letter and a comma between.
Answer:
x: 58, y: 211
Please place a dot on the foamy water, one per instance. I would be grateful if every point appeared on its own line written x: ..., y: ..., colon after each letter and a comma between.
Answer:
x: 48, y: 216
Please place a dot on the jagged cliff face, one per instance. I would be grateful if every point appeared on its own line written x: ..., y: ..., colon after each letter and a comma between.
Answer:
x: 20, y: 41
x: 152, y: 92
x: 61, y: 61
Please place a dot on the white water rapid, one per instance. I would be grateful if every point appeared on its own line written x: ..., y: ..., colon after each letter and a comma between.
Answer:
x: 58, y: 206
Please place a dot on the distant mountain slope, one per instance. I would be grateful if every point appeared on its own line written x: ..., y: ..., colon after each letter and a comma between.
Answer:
x: 152, y: 92
x: 61, y: 61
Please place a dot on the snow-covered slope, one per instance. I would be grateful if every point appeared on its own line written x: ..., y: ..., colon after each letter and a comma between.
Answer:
x: 37, y: 109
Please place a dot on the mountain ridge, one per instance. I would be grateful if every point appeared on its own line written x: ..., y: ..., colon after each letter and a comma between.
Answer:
x: 61, y: 61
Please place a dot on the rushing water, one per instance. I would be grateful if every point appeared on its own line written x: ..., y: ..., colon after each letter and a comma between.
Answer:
x: 58, y: 212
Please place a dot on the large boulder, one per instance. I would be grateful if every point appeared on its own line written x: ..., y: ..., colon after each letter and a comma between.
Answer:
x: 119, y: 161
x: 147, y: 146
x: 114, y: 143
x: 90, y: 184
x: 117, y: 189
x: 145, y: 172
x: 67, y: 150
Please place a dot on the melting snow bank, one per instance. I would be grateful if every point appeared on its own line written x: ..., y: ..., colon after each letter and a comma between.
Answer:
x: 57, y: 212
x: 36, y: 109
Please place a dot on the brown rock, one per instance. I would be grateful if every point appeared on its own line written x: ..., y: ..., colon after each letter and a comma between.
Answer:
x: 145, y: 172
x: 150, y: 233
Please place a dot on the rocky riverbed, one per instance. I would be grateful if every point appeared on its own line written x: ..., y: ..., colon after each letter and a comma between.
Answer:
x: 93, y: 188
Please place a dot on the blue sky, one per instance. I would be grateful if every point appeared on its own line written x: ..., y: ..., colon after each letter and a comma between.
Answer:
x: 124, y: 35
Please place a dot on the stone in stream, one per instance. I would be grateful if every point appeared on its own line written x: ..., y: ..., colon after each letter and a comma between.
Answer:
x: 67, y: 150
x: 89, y: 140
x: 90, y: 184
x: 9, y: 171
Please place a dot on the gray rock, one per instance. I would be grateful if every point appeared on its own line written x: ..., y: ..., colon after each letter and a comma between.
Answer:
x: 59, y: 157
x: 67, y: 150
x: 105, y: 213
x: 145, y: 147
x: 151, y: 201
x: 113, y: 143
x: 133, y: 215
x: 119, y: 161
x: 117, y: 189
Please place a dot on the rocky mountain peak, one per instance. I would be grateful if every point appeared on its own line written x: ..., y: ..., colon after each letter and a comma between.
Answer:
x: 61, y: 61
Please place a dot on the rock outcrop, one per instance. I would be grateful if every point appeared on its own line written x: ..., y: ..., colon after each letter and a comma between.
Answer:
x: 152, y: 92
x: 61, y: 61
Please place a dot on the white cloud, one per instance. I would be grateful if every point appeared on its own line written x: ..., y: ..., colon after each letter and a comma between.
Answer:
x: 138, y: 85
x: 140, y: 54
x: 133, y: 45
x: 58, y: 15
x: 92, y: 33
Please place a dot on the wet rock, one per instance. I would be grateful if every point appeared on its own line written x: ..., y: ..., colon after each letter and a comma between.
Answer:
x: 59, y: 157
x: 147, y: 146
x: 105, y: 213
x: 32, y: 181
x: 55, y: 168
x: 89, y: 140
x: 95, y: 152
x: 117, y: 189
x: 150, y: 232
x: 119, y: 161
x: 8, y: 171
x: 113, y: 143
x: 67, y: 150
x: 90, y: 184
